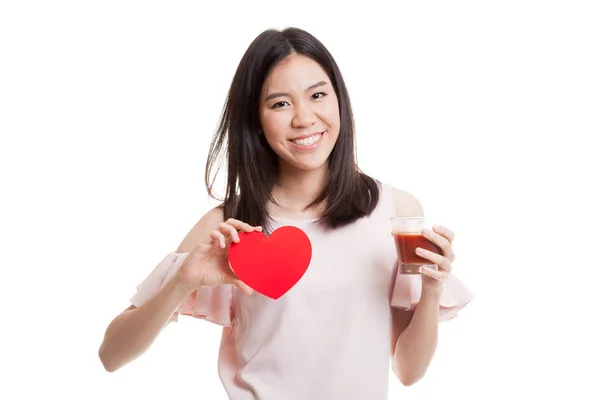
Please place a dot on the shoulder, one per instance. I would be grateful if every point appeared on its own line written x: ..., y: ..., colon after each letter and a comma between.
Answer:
x: 200, y: 232
x: 406, y: 204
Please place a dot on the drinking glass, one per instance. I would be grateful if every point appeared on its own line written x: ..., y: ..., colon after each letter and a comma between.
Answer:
x: 407, y: 233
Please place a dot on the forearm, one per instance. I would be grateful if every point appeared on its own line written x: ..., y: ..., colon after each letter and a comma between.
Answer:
x: 132, y: 332
x: 416, y: 345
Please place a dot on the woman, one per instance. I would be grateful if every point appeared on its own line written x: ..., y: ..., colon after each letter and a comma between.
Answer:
x: 288, y: 135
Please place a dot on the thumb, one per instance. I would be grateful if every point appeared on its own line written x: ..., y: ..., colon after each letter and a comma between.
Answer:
x: 243, y: 287
x: 237, y: 282
x: 200, y: 248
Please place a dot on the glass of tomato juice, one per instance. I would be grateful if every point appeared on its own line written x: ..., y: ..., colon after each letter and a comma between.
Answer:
x: 407, y: 233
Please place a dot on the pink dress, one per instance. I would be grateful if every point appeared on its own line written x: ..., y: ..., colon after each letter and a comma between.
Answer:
x: 329, y: 336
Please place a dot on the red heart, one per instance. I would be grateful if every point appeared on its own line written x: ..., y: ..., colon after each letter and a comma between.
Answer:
x: 273, y: 264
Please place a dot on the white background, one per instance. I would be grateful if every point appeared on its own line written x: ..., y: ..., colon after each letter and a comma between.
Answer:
x: 488, y: 112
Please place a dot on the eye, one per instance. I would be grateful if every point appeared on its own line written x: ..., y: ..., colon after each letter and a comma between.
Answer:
x: 279, y: 104
x: 319, y: 95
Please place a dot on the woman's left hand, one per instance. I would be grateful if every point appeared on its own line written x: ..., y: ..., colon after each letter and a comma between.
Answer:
x: 433, y: 280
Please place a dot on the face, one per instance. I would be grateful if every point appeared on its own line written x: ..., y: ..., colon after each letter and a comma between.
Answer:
x: 299, y: 113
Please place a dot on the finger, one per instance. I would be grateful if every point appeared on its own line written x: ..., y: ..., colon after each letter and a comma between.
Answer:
x: 441, y: 261
x: 437, y: 275
x: 247, y: 228
x: 451, y: 256
x: 250, y: 228
x: 445, y: 232
x: 217, y: 237
x: 230, y: 231
x: 438, y: 239
x: 449, y: 235
x: 243, y: 226
x: 239, y: 225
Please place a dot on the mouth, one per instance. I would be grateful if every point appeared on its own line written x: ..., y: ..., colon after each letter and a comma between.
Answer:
x: 308, y: 141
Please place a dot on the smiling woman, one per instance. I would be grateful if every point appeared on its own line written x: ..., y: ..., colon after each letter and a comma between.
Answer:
x: 302, y: 124
x: 288, y: 119
x: 288, y: 137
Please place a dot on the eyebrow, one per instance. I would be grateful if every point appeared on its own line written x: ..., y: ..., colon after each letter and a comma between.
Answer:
x: 274, y: 95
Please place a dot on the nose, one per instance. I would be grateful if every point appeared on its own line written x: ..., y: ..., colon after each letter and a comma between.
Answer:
x: 303, y: 116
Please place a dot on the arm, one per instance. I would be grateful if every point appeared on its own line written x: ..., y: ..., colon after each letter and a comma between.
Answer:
x: 414, y: 333
x: 415, y: 339
x: 133, y: 331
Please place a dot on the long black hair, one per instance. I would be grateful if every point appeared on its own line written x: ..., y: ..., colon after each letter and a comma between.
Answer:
x: 252, y: 165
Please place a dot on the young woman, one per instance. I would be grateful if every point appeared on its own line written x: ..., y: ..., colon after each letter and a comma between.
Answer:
x: 288, y: 136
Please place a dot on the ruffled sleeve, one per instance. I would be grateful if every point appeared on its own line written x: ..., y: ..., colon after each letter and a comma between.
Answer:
x: 210, y: 303
x: 407, y: 292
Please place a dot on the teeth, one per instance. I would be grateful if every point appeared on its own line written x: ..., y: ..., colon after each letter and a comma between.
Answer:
x: 308, y: 141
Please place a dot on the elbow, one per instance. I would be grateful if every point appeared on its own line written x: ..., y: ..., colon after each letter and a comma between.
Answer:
x: 106, y: 361
x: 408, y: 378
x: 109, y: 368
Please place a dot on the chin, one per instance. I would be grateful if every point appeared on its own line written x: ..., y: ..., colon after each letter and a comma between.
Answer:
x: 306, y: 166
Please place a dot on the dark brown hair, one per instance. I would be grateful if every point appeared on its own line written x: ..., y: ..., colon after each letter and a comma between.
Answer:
x: 252, y: 165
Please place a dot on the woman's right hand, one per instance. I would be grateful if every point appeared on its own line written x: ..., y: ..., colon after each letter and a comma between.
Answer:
x: 208, y: 265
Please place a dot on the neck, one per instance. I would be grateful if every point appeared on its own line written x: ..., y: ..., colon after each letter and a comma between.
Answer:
x: 295, y: 190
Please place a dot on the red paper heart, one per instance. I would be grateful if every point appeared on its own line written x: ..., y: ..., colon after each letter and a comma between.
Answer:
x: 273, y: 264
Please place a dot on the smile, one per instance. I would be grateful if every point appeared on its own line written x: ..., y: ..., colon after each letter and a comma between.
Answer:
x: 309, y: 141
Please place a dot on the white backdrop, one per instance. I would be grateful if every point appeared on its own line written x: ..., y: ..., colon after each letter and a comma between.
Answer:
x: 486, y: 111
